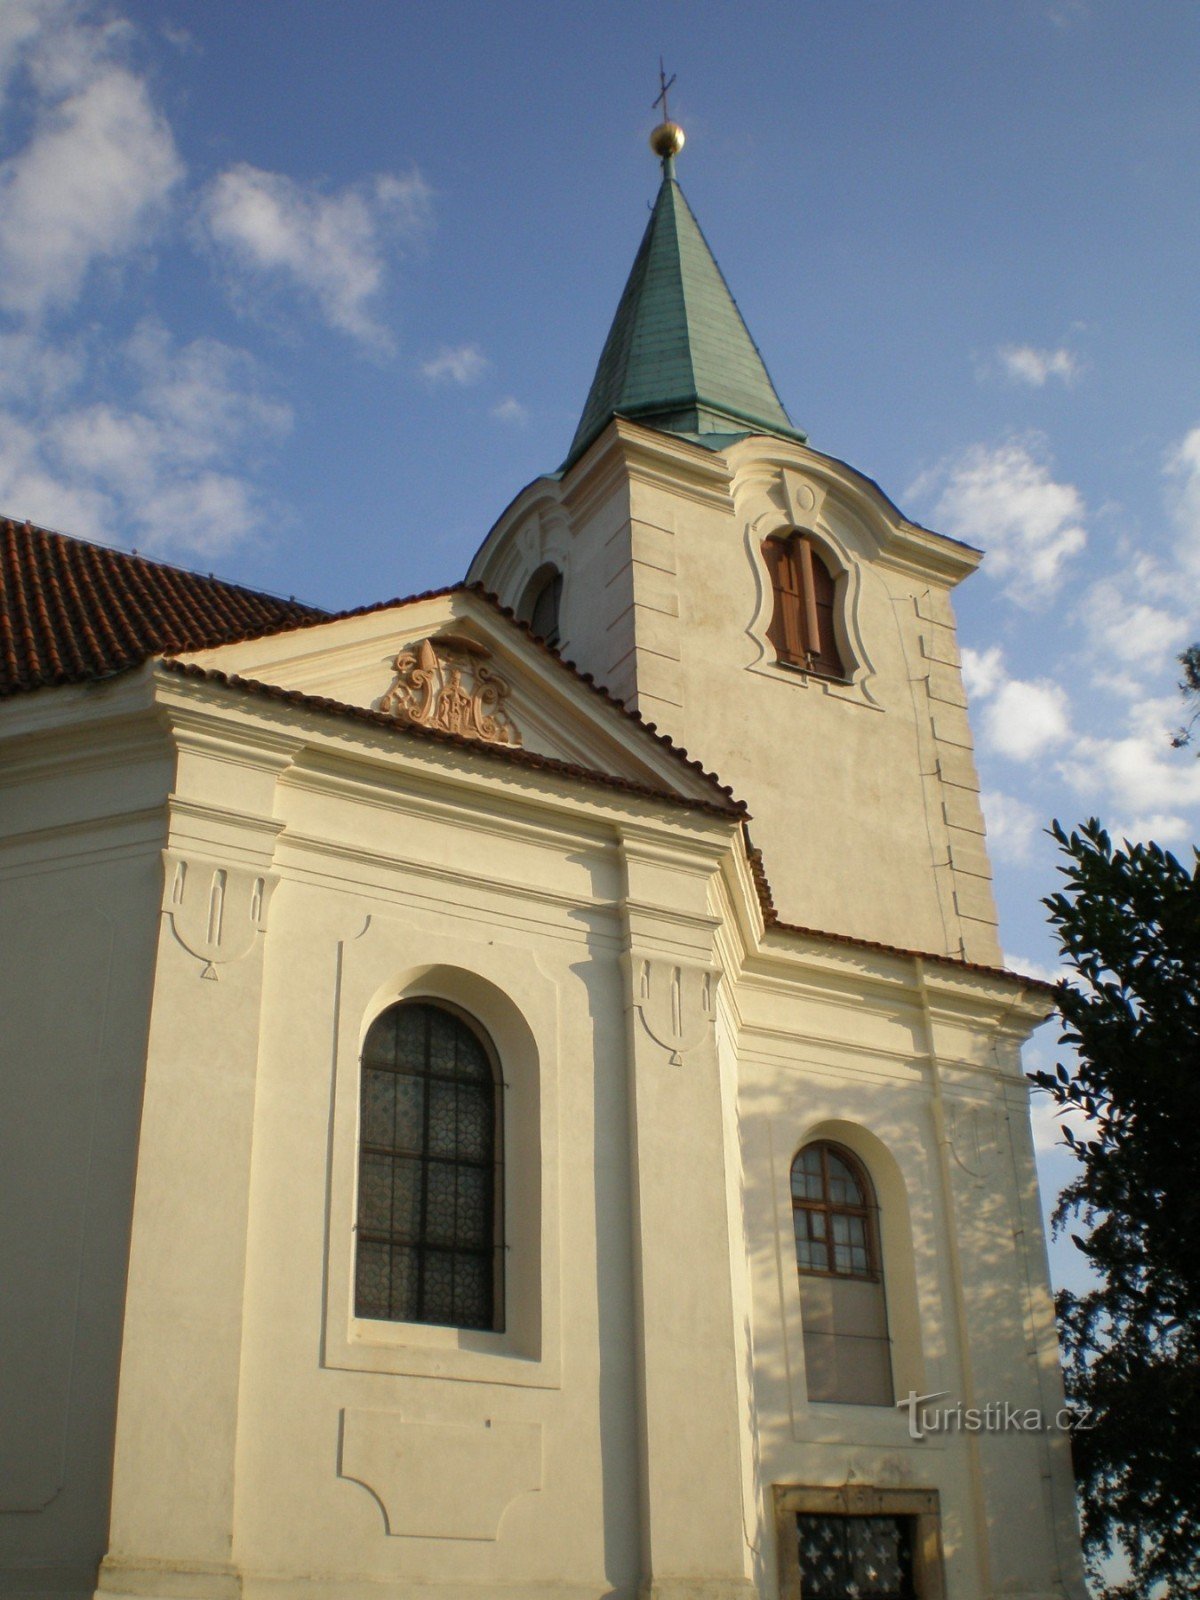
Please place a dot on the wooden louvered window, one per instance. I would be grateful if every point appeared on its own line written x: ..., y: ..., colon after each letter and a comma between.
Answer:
x: 430, y: 1237
x: 802, y: 626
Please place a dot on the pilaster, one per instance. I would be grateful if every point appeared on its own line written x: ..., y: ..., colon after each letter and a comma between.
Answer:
x: 171, y: 1528
x: 688, y: 1347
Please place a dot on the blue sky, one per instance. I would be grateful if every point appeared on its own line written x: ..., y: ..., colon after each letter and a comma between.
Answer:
x: 304, y: 293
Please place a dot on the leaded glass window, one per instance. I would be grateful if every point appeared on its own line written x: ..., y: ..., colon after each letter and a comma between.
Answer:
x: 429, y: 1181
x: 855, y: 1558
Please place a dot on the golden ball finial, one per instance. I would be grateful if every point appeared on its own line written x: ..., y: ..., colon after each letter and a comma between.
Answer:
x: 667, y: 140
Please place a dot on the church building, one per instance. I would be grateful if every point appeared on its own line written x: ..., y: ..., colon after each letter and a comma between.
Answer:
x: 513, y: 1093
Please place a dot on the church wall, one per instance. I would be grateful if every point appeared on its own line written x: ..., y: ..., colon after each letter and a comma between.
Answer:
x: 268, y: 1438
x: 944, y: 1139
x: 863, y: 795
x: 841, y: 780
x: 551, y: 1398
x: 81, y: 835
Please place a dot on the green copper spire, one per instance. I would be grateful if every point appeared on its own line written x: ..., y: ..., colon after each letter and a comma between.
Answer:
x: 678, y: 356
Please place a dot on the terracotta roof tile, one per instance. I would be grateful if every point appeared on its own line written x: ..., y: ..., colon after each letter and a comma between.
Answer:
x: 773, y: 923
x: 71, y: 611
x: 512, y: 755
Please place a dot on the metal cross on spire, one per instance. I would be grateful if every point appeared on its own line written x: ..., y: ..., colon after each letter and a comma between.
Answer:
x: 667, y: 139
x: 665, y: 82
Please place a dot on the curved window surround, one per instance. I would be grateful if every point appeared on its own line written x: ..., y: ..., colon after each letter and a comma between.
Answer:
x: 802, y: 625
x: 835, y: 1220
x: 429, y: 1233
x: 541, y: 604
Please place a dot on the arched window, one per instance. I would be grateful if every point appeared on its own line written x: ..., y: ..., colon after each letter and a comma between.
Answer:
x: 430, y: 1234
x: 541, y: 603
x: 802, y: 625
x: 847, y: 1352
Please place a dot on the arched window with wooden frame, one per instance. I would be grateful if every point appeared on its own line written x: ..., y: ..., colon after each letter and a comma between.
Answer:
x: 430, y: 1241
x: 835, y: 1221
x: 802, y: 626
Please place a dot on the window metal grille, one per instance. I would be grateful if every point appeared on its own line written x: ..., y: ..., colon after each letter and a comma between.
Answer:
x: 855, y: 1558
x: 430, y: 1245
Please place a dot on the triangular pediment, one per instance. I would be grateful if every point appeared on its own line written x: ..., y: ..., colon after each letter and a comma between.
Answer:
x: 455, y: 663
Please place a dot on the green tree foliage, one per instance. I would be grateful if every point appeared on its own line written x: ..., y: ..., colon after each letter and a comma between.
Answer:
x: 1128, y: 923
x: 1189, y: 688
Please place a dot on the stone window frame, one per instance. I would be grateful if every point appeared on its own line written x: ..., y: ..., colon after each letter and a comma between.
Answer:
x: 548, y: 580
x: 497, y: 986
x: 873, y: 1279
x: 922, y: 1506
x: 804, y: 623
x: 858, y: 669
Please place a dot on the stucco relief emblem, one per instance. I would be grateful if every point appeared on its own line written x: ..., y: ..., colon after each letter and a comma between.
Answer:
x: 676, y: 1005
x: 445, y: 682
x: 216, y: 912
x: 975, y: 1139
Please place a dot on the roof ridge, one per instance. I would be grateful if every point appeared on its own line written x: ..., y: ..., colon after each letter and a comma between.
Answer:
x: 156, y: 563
x: 480, y: 590
x: 774, y: 923
x: 678, y: 198
x: 73, y: 610
x: 678, y: 354
x: 726, y: 808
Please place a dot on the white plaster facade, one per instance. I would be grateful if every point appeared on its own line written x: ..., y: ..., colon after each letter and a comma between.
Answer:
x: 210, y: 891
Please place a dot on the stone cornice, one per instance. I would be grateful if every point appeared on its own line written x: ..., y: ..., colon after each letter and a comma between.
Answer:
x: 903, y: 545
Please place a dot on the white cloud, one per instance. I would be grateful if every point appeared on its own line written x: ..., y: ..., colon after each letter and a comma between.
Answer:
x: 1012, y: 825
x: 460, y: 363
x: 1128, y: 629
x: 1183, y: 470
x: 32, y: 371
x: 1048, y: 1123
x: 333, y: 247
x: 1139, y: 773
x: 1024, y: 719
x: 1003, y: 498
x: 32, y: 487
x: 1029, y: 968
x: 983, y: 671
x: 98, y: 166
x: 1025, y: 364
x: 22, y: 22
x: 510, y: 409
x: 164, y: 466
x: 1163, y: 828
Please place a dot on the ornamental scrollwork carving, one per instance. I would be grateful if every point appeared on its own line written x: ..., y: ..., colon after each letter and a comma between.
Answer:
x: 445, y: 682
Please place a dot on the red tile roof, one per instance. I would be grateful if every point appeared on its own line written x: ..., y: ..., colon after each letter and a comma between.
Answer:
x: 773, y: 923
x: 71, y: 611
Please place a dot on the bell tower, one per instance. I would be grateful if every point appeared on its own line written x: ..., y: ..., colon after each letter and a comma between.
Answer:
x: 765, y: 605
